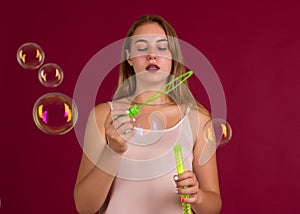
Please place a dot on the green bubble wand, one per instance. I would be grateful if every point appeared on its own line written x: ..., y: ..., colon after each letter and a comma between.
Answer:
x: 186, y: 207
x: 134, y: 110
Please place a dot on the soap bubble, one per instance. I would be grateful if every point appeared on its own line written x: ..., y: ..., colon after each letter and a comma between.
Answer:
x: 50, y: 75
x: 216, y: 132
x: 55, y: 113
x: 30, y: 55
x: 149, y: 127
x: 154, y: 121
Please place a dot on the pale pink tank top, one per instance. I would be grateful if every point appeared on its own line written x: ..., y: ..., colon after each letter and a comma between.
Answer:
x: 144, y: 183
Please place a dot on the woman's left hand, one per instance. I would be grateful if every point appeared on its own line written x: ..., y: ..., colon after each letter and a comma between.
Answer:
x: 187, y: 184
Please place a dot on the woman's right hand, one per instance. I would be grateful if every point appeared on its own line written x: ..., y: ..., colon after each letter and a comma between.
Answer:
x: 118, y: 132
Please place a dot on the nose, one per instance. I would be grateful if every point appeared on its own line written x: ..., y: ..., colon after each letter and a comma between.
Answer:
x: 151, y: 56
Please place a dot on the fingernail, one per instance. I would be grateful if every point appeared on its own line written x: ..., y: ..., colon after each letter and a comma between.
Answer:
x: 176, y: 191
x: 175, y: 177
x: 181, y: 199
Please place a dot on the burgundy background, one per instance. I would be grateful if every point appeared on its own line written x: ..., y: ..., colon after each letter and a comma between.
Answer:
x: 254, y: 47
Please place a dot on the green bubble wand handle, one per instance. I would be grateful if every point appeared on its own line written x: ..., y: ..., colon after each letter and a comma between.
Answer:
x: 186, y: 207
x: 134, y: 110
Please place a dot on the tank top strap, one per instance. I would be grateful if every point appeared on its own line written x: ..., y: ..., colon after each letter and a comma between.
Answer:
x: 187, y: 110
x: 110, y: 105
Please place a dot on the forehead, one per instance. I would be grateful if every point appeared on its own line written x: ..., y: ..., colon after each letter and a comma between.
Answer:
x: 149, y: 28
x: 148, y: 33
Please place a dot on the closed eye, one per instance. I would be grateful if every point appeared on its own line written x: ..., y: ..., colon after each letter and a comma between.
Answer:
x: 141, y: 49
x: 141, y: 45
x: 162, y: 48
x: 162, y: 45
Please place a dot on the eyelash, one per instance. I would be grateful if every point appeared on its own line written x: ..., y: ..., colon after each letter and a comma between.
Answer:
x: 144, y: 49
x: 163, y: 49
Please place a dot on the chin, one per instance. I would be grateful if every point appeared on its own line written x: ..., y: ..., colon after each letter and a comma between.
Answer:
x: 152, y: 78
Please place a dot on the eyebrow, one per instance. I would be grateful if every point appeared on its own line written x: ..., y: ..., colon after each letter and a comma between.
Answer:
x: 162, y: 40
x: 144, y: 40
x: 140, y: 40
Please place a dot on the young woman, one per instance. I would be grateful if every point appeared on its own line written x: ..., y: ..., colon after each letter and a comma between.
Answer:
x: 127, y: 166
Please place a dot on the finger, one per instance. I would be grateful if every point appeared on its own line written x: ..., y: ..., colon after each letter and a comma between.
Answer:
x: 117, y: 114
x: 186, y: 174
x: 108, y: 121
x: 116, y: 139
x: 188, y: 178
x: 190, y: 199
x: 118, y: 117
x: 117, y: 144
x: 189, y: 182
x: 188, y: 190
x: 110, y: 130
x: 121, y: 134
x: 121, y: 120
x: 116, y: 122
x: 125, y: 128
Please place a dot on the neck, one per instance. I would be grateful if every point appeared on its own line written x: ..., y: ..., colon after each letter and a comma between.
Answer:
x: 146, y: 95
x: 148, y: 85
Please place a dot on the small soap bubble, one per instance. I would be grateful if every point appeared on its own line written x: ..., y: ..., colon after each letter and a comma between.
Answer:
x: 146, y: 122
x: 50, y: 75
x: 149, y: 127
x: 30, y: 56
x: 217, y: 132
x: 55, y: 113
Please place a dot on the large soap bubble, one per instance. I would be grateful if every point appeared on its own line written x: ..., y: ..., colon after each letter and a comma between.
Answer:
x: 55, y: 113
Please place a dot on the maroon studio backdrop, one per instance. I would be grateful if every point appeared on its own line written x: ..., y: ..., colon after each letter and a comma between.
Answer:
x: 254, y: 48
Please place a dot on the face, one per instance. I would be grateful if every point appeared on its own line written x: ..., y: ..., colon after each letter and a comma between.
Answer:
x: 149, y: 50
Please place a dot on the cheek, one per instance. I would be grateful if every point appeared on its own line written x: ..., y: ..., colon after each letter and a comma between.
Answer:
x: 139, y: 60
x: 139, y: 63
x: 167, y: 63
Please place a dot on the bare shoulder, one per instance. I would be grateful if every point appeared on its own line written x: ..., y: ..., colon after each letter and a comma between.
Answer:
x: 198, y: 116
x: 101, y: 110
x: 204, y: 116
x: 203, y: 113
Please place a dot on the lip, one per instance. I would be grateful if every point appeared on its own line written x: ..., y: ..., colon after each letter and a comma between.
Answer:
x: 152, y: 68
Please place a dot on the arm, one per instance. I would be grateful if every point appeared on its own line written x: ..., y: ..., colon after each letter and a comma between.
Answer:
x: 99, y: 162
x: 202, y: 182
x: 93, y: 183
x: 92, y: 187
